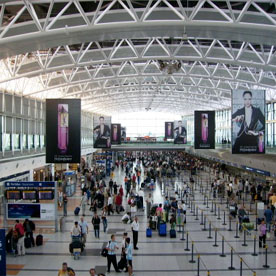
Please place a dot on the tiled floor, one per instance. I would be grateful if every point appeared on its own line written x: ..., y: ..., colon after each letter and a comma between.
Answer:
x: 157, y: 255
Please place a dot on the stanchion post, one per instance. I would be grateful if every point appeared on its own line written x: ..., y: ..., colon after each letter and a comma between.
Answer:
x: 244, y: 237
x: 212, y: 207
x: 192, y: 254
x: 198, y: 265
x: 196, y: 213
x: 219, y: 218
x: 237, y: 231
x: 204, y: 201
x: 204, y: 224
x: 201, y: 221
x: 231, y: 267
x: 266, y: 265
x: 255, y: 241
x: 216, y: 238
x: 215, y: 214
x: 187, y: 242
x: 210, y: 231
x: 241, y: 260
x: 183, y: 232
x: 207, y: 202
x: 230, y: 224
x: 222, y: 248
x: 224, y: 222
x: 256, y: 224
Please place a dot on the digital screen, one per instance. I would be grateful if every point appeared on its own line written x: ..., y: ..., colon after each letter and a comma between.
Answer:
x: 13, y: 195
x: 22, y: 211
x: 48, y: 195
x: 29, y: 195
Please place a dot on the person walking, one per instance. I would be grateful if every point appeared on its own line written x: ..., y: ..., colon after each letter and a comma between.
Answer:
x: 110, y: 204
x: 118, y: 203
x: 20, y: 242
x: 76, y: 231
x: 104, y: 219
x: 66, y: 271
x: 29, y: 227
x: 129, y: 256
x: 65, y: 201
x: 135, y: 231
x: 262, y: 234
x: 111, y: 254
x: 268, y: 214
x: 96, y: 223
x: 149, y: 202
x: 84, y: 201
x: 84, y: 230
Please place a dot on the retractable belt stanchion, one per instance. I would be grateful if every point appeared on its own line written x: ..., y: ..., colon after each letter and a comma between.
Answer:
x: 192, y: 254
x: 215, y: 214
x: 216, y: 238
x: 222, y: 248
x: 266, y: 265
x: 241, y: 260
x: 212, y: 207
x: 244, y: 237
x: 183, y: 232
x: 231, y: 267
x: 230, y: 224
x: 187, y: 242
x: 201, y: 221
x: 198, y: 265
x: 255, y: 241
x: 210, y: 231
x: 256, y: 224
x: 204, y: 224
x: 204, y: 200
x: 207, y: 202
x: 224, y: 222
x: 219, y: 218
x: 237, y: 230
x: 196, y: 213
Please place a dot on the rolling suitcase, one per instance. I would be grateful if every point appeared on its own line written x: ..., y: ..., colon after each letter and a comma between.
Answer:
x: 163, y: 229
x: 27, y: 242
x: 172, y: 233
x: 149, y: 233
x: 153, y: 224
x: 39, y: 240
x: 77, y: 210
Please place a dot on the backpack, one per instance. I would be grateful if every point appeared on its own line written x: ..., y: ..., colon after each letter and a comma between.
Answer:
x: 71, y: 271
x: 104, y: 251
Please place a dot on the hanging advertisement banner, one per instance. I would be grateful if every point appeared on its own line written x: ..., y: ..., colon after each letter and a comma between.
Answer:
x: 102, y: 132
x: 248, y: 121
x: 115, y: 134
x: 169, y: 130
x: 204, y: 129
x: 63, y: 121
x: 3, y: 265
x: 180, y: 132
x: 123, y: 134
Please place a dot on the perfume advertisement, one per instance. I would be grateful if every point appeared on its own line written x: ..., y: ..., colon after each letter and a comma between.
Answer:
x: 204, y: 129
x: 63, y: 120
x: 115, y: 134
x: 123, y: 134
x: 180, y: 132
x: 102, y: 131
x: 169, y: 130
x: 248, y: 121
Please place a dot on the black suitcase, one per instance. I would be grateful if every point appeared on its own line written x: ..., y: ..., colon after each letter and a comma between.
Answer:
x: 28, y: 242
x: 77, y: 210
x: 39, y: 240
x: 172, y: 233
x: 153, y: 225
x: 75, y: 244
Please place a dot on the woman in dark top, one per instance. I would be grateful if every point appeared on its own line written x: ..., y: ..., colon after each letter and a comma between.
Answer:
x: 96, y: 221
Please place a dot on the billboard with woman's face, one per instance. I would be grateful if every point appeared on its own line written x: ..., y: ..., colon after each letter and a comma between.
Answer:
x: 248, y: 121
x: 204, y: 129
x: 102, y: 132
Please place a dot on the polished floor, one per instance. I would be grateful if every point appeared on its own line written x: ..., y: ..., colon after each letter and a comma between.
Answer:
x: 159, y: 255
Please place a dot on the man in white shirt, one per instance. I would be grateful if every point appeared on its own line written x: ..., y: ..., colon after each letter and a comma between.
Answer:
x: 135, y: 230
x: 84, y: 230
x: 76, y: 231
x: 84, y: 201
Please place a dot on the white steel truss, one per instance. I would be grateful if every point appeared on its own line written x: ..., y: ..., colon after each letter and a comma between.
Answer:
x: 60, y: 52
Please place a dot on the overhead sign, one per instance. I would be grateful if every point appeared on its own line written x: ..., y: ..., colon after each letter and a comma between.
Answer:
x: 29, y: 184
x: 256, y: 170
x: 3, y: 253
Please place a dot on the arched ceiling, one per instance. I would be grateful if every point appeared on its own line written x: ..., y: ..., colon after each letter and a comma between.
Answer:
x: 108, y: 52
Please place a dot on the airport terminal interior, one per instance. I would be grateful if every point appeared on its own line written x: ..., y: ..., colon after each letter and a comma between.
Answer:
x: 137, y: 137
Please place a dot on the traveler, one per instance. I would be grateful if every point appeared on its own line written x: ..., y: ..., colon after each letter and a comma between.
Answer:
x: 110, y: 204
x: 149, y: 202
x: 111, y: 255
x: 167, y: 207
x: 66, y: 271
x: 262, y: 234
x: 159, y: 214
x: 104, y: 219
x: 135, y: 230
x: 129, y: 256
x: 29, y: 227
x: 20, y: 242
x: 92, y: 272
x: 76, y: 231
x: 118, y: 203
x: 84, y: 230
x: 241, y: 215
x: 65, y: 201
x: 84, y: 201
x: 268, y: 214
x: 96, y: 223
